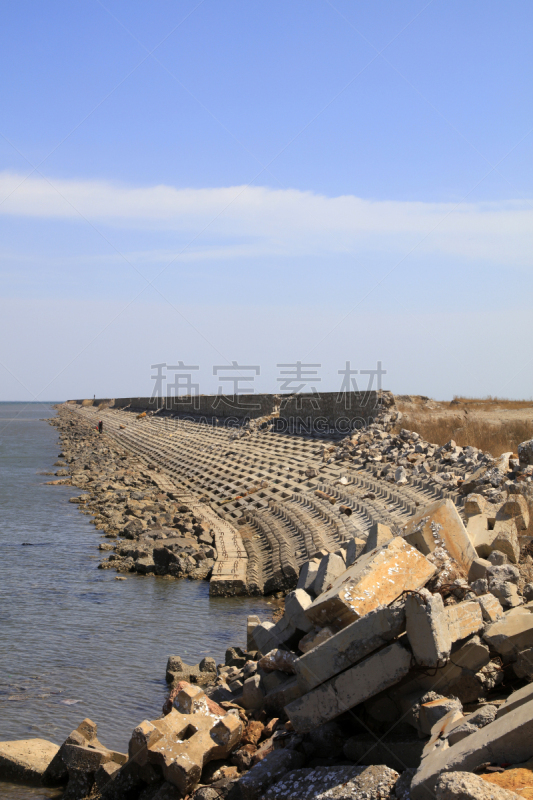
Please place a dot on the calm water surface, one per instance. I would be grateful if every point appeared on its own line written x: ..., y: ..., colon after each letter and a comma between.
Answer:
x: 74, y: 641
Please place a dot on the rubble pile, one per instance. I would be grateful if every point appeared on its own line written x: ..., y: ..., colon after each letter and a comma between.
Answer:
x: 401, y: 456
x: 148, y: 530
x: 399, y: 670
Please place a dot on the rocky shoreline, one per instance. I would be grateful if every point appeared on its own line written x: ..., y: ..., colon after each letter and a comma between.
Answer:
x: 400, y: 667
x: 148, y: 531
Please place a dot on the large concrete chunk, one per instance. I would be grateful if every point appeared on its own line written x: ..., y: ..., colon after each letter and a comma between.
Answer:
x: 511, y: 634
x: 354, y: 686
x: 308, y: 573
x: 440, y: 524
x: 182, y: 743
x: 427, y: 626
x: 349, y: 645
x: 296, y: 604
x: 26, y: 760
x: 488, y: 535
x: 491, y: 608
x: 379, y: 535
x: 329, y: 570
x: 508, y: 739
x: 464, y: 619
x: 377, y: 578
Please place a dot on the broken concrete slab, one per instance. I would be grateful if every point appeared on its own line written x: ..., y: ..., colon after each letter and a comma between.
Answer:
x: 508, y: 739
x: 464, y: 619
x: 428, y: 629
x: 491, y: 608
x: 377, y: 578
x: 440, y: 523
x: 26, y: 760
x: 349, y: 645
x: 510, y: 635
x: 331, y: 566
x: 354, y: 686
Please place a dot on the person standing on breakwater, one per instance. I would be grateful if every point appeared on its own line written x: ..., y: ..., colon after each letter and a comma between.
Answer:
x: 100, y: 426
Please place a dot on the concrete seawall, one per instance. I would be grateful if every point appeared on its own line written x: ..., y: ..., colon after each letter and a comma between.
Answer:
x: 329, y: 411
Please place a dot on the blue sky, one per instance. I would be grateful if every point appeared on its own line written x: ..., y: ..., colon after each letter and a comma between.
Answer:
x: 266, y: 183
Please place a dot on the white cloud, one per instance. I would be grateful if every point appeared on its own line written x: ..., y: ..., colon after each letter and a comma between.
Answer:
x: 254, y: 221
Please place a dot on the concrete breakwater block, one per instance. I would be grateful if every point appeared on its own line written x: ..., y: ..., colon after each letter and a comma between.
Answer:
x: 26, y: 760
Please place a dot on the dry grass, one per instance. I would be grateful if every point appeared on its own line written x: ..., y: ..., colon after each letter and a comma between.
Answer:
x: 489, y: 401
x: 490, y: 437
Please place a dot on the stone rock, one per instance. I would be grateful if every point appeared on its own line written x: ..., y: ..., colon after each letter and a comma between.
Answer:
x: 336, y: 783
x: 478, y: 569
x: 506, y: 592
x: 26, y: 760
x: 253, y: 732
x: 349, y: 645
x: 483, y: 716
x: 504, y: 572
x: 368, y: 583
x: 440, y: 523
x: 466, y: 786
x: 525, y: 452
x: 428, y: 628
x: 507, y: 739
x: 331, y: 566
x: 497, y: 559
x: 274, y: 766
x: 281, y: 660
x: 523, y: 666
x: 460, y: 732
x: 351, y: 687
